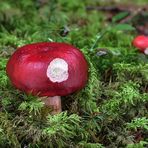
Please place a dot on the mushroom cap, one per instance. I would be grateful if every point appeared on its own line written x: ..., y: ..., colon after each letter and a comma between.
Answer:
x: 34, y: 69
x: 141, y: 42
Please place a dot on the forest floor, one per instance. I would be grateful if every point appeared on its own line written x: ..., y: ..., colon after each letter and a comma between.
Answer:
x: 112, y: 110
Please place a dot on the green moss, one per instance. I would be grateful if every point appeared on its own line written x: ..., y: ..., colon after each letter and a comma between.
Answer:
x: 109, y: 112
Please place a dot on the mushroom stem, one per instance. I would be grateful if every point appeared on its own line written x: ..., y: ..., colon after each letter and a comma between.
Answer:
x: 54, y: 103
x: 146, y: 51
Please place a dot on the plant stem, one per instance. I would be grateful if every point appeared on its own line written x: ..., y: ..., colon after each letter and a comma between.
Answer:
x: 99, y: 36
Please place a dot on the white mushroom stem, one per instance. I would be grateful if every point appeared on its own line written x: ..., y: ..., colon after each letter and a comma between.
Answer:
x: 54, y: 103
x: 146, y: 51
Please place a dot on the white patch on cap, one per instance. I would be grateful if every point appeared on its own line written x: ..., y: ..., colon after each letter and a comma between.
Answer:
x: 146, y: 51
x: 57, y: 70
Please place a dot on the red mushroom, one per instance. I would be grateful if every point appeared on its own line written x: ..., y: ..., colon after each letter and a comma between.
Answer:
x: 141, y: 42
x: 48, y: 69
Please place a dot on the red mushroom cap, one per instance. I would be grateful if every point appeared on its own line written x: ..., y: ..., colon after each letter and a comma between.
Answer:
x: 48, y: 69
x: 141, y: 42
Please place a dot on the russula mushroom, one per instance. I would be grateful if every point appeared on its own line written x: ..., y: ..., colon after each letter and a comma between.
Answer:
x: 141, y: 42
x: 48, y: 69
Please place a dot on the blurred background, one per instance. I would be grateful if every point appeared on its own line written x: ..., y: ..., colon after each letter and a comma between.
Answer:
x: 26, y: 21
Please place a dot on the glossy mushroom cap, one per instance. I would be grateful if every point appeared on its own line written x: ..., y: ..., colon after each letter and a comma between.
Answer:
x: 48, y: 69
x: 141, y: 42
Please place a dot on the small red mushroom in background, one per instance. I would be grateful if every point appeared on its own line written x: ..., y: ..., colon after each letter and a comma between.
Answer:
x: 141, y: 42
x: 48, y: 69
